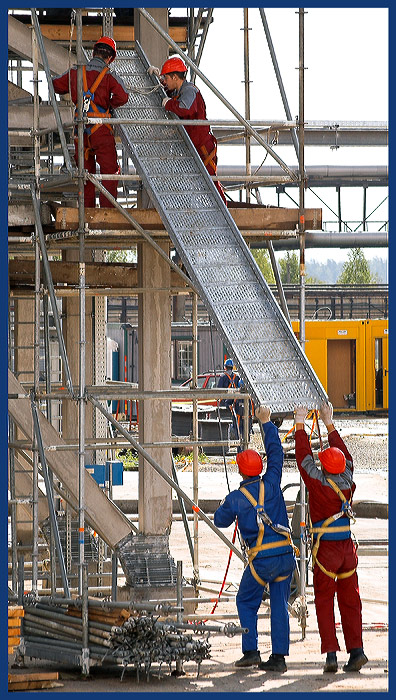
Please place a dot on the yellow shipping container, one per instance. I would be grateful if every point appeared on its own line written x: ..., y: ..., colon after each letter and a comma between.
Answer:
x: 350, y: 358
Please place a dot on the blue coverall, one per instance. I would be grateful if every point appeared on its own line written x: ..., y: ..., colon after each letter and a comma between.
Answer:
x: 268, y: 563
x: 226, y: 381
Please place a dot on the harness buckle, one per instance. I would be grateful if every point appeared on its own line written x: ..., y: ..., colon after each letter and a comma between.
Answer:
x: 347, y: 510
x: 87, y: 102
x: 262, y: 517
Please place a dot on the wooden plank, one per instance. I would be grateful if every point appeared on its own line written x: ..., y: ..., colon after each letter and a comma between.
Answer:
x: 16, y: 611
x: 250, y: 218
x: 34, y: 685
x: 107, y: 275
x: 14, y: 622
x: 101, y: 513
x: 58, y: 32
x: 116, y: 617
x: 13, y: 641
x: 38, y: 676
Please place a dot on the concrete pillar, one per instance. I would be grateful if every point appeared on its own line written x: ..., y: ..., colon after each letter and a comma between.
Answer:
x: 153, y: 45
x: 156, y: 50
x: 155, y: 504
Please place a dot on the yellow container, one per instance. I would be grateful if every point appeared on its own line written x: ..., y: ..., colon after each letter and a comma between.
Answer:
x: 350, y: 358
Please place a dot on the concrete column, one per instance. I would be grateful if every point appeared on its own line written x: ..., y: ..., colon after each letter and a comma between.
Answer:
x: 154, y: 46
x: 155, y: 504
x: 156, y: 50
x: 154, y: 314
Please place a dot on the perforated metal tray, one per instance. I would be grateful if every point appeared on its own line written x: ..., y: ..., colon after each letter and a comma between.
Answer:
x: 268, y: 356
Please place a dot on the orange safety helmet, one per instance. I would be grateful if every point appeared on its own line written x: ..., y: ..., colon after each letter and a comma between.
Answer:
x: 110, y: 43
x: 332, y: 460
x: 249, y: 462
x: 173, y: 65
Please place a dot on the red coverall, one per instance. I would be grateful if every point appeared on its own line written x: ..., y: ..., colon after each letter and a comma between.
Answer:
x: 188, y: 103
x: 99, y: 146
x: 336, y: 555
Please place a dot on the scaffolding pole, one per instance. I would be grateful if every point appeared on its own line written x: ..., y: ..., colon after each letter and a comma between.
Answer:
x: 165, y: 476
x: 302, y: 184
x: 247, y: 95
x: 36, y: 341
x: 82, y: 338
x: 195, y: 433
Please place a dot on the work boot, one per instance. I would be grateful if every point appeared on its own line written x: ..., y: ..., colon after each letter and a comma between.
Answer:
x: 276, y: 662
x: 331, y: 665
x: 357, y: 659
x: 250, y: 658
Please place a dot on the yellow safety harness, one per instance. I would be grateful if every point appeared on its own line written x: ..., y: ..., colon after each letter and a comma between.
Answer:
x: 325, y: 527
x: 259, y: 546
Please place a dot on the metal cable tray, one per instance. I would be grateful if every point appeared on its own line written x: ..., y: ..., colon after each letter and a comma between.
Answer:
x: 275, y: 369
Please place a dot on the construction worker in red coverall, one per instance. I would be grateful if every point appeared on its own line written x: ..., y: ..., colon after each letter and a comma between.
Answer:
x: 186, y: 101
x: 103, y: 91
x: 330, y: 489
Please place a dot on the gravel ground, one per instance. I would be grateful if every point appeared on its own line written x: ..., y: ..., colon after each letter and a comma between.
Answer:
x: 356, y: 432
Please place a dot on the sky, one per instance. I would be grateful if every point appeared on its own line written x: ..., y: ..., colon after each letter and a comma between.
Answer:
x: 346, y: 79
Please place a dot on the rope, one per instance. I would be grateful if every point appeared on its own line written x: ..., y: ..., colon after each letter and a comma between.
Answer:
x: 317, y: 423
x: 226, y: 572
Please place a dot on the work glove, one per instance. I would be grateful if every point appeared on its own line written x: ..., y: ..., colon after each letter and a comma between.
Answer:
x: 263, y: 414
x: 300, y: 414
x: 326, y: 413
x: 153, y: 70
x: 165, y: 100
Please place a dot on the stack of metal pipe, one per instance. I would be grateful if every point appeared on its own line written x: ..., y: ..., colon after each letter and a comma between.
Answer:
x: 142, y: 641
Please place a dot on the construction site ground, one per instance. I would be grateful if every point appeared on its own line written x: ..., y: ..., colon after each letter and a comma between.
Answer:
x: 367, y: 439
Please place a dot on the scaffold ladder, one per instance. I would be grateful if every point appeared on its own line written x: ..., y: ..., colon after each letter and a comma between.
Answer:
x: 275, y: 370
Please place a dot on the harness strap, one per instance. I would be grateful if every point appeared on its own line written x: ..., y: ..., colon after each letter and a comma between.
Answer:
x: 346, y: 574
x: 346, y: 504
x: 93, y: 110
x: 208, y: 160
x: 259, y: 547
x: 260, y: 580
x: 324, y: 528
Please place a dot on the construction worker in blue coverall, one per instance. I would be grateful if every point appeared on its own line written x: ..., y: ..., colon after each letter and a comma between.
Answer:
x: 269, y: 546
x: 229, y: 380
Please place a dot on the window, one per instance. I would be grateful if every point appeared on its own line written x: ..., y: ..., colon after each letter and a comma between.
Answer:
x: 184, y: 359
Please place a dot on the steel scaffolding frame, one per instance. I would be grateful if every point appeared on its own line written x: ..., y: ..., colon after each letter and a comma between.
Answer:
x: 88, y: 393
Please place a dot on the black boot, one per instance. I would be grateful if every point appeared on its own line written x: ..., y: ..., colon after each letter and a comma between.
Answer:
x: 249, y: 658
x: 357, y: 659
x: 276, y: 662
x: 331, y: 665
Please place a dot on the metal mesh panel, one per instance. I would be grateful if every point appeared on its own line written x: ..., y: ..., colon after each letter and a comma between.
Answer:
x: 264, y: 347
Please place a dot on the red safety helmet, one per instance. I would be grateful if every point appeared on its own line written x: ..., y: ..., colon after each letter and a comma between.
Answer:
x: 110, y: 43
x: 173, y: 65
x: 332, y: 460
x: 249, y: 462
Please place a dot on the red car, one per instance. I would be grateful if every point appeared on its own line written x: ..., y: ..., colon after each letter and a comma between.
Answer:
x: 208, y: 380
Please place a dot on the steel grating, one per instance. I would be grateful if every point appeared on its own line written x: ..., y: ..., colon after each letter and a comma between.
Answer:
x: 275, y: 369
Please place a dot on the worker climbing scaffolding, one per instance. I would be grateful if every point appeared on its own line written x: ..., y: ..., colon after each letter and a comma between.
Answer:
x: 103, y: 91
x: 185, y: 100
